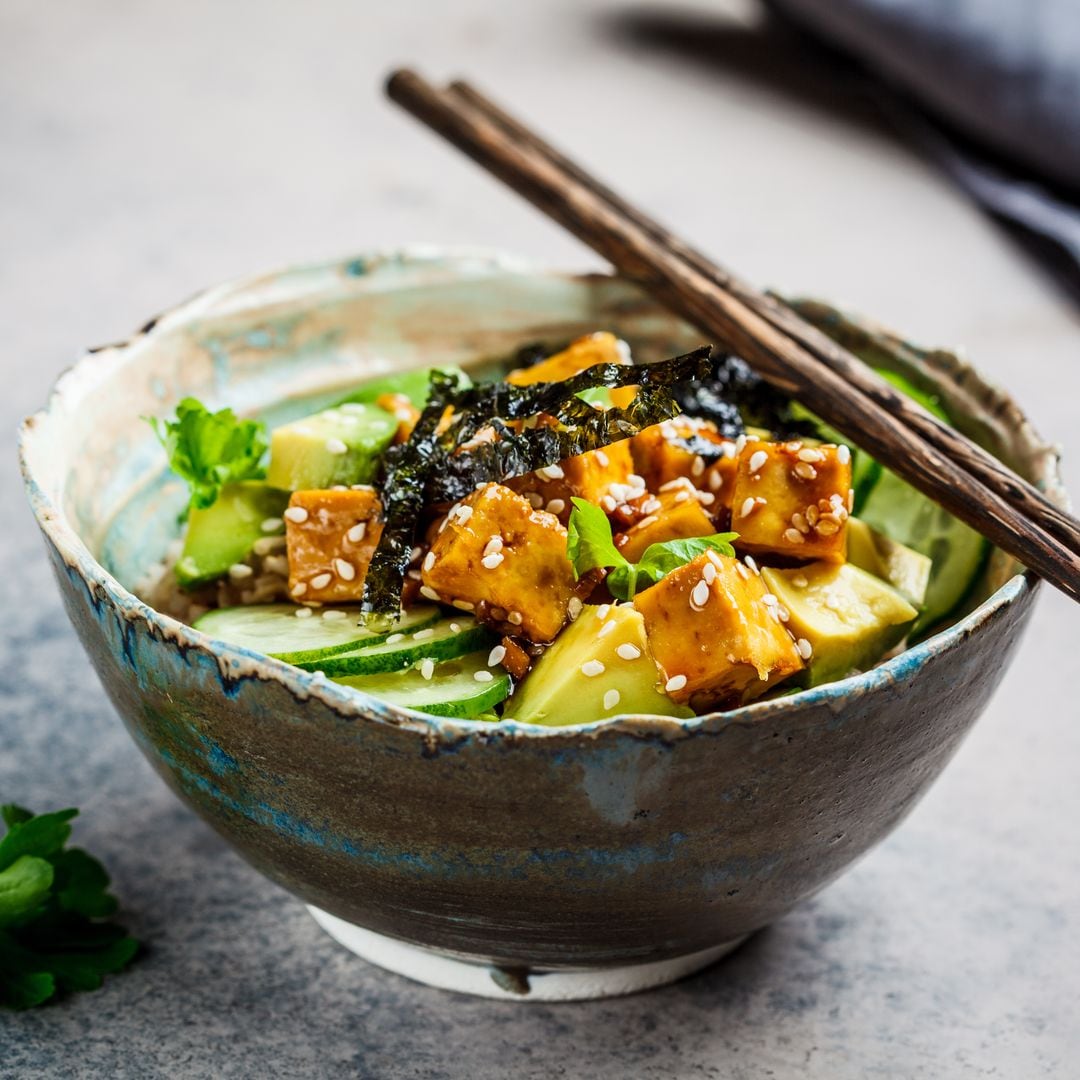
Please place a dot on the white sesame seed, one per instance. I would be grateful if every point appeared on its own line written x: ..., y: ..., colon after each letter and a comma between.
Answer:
x: 806, y: 650
x: 647, y: 520
x: 240, y: 570
x: 704, y: 498
x: 602, y: 611
x: 271, y: 524
x: 611, y: 699
x: 602, y: 459
x: 423, y: 635
x: 749, y: 560
x: 428, y: 593
x: 757, y: 460
x: 628, y: 651
x: 296, y: 514
x: 716, y: 481
x: 496, y: 655
x: 303, y: 613
x: 609, y: 504
x: 490, y: 562
x: 698, y: 467
x: 741, y: 570
x: 650, y: 506
x: 740, y: 444
x: 344, y: 569
x: 536, y: 500
x: 729, y: 449
x: 356, y: 533
x: 336, y: 446
x: 793, y: 536
x: 827, y: 527
x: 800, y: 581
x: 636, y: 481
x: 605, y: 629
x: 843, y: 454
x: 769, y: 600
x: 681, y: 497
x: 298, y: 589
x: 265, y: 544
x: 708, y: 572
x: 574, y: 608
x: 699, y: 596
x: 414, y: 575
x: 334, y: 616
x: 463, y: 514
x: 805, y: 471
x: 783, y: 614
x: 556, y: 506
x: 591, y: 668
x: 800, y: 522
x: 515, y: 618
x: 551, y: 472
x: 747, y: 507
x: 812, y: 516
x: 393, y: 639
x: 320, y: 581
x: 836, y: 499
x: 678, y: 484
x: 483, y: 676
x: 675, y: 683
x: 427, y: 668
x: 429, y: 560
x: 811, y: 455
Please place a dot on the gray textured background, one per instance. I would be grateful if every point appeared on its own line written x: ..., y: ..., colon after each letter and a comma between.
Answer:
x: 149, y: 149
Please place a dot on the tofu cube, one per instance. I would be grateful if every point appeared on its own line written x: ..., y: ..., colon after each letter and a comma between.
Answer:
x: 586, y: 352
x: 716, y: 632
x: 499, y: 557
x: 330, y: 537
x: 665, y: 452
x: 595, y: 476
x: 676, y: 514
x: 793, y: 500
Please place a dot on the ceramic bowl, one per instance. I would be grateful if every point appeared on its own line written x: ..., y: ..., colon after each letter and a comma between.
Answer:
x: 507, y: 859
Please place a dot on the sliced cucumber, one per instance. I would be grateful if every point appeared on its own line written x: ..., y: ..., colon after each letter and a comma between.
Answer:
x: 452, y: 690
x: 275, y: 629
x: 443, y: 640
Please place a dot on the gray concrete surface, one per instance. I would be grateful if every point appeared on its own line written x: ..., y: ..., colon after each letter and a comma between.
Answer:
x: 149, y: 149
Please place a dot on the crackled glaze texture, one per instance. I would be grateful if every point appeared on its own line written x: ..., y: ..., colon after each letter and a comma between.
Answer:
x: 619, y: 842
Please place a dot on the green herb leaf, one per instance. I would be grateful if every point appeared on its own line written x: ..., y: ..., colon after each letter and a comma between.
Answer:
x: 50, y: 901
x: 209, y: 450
x: 590, y: 546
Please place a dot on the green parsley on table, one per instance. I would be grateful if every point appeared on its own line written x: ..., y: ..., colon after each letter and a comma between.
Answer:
x: 53, y: 900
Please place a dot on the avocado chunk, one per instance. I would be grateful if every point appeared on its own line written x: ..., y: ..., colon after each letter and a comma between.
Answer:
x: 849, y: 617
x: 226, y: 531
x: 907, y: 571
x: 413, y: 384
x: 336, y: 446
x: 599, y: 666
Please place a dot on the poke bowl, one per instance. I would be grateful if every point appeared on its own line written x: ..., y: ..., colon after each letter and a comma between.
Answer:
x: 595, y: 846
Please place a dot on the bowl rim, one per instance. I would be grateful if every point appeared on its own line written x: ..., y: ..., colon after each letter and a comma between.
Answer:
x: 236, y: 663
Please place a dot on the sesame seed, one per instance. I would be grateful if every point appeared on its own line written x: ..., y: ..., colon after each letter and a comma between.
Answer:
x: 769, y: 600
x: 800, y: 581
x: 747, y: 507
x: 805, y: 471
x: 490, y: 562
x: 757, y: 460
x: 423, y: 635
x: 303, y: 613
x: 605, y: 629
x: 271, y: 524
x: 645, y: 522
x: 336, y: 446
x: 836, y: 499
x: 650, y: 506
x: 556, y: 506
x: 602, y: 611
x: 240, y: 570
x: 699, y: 596
x: 843, y: 454
x: 636, y: 481
x: 827, y: 527
x: 483, y: 676
x: 334, y: 616
x: 393, y: 639
x: 698, y: 467
x: 428, y: 593
x: 740, y: 444
x: 574, y: 608
x: 716, y: 481
x: 515, y: 618
x: 463, y: 514
x: 782, y: 613
x: 608, y: 503
x: 602, y: 459
x: 729, y: 449
x: 592, y: 668
x: 812, y: 456
x: 356, y: 533
x: 741, y: 570
x: 536, y: 501
x: 793, y: 536
x: 429, y: 560
x: 681, y: 497
x: 496, y: 655
x: 812, y: 516
x: 320, y: 581
x: 296, y: 514
x: 806, y: 650
x: 611, y: 699
x: 676, y: 682
x: 265, y: 544
x: 679, y: 483
x: 345, y: 569
x: 298, y: 589
x: 704, y: 498
x: 414, y: 575
x: 628, y: 651
x: 551, y: 472
x: 800, y: 522
x: 708, y: 572
x: 749, y: 560
x: 427, y: 668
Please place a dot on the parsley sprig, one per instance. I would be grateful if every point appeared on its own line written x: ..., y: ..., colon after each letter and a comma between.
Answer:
x: 52, y: 901
x: 590, y: 545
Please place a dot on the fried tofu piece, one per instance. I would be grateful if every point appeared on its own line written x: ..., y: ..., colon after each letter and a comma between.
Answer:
x: 666, y: 452
x: 499, y: 557
x: 330, y: 537
x: 793, y: 500
x: 678, y: 514
x: 586, y: 352
x: 716, y: 632
x: 607, y: 473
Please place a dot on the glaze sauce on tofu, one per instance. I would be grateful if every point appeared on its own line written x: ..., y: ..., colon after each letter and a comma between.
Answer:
x: 577, y: 538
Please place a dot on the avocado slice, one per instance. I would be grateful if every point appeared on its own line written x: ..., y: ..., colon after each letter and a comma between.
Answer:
x: 849, y: 617
x: 558, y: 691
x: 226, y: 531
x: 413, y: 384
x: 336, y: 446
x: 905, y: 570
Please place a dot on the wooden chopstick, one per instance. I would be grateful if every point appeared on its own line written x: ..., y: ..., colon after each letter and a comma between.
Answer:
x: 1022, y: 494
x: 700, y: 297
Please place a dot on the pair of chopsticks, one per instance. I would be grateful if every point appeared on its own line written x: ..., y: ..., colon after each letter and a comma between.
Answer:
x: 789, y: 353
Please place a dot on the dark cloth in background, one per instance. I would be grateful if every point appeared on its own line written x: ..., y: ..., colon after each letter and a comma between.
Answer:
x: 990, y: 88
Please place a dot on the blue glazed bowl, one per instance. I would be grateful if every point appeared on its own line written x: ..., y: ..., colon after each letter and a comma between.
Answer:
x: 503, y: 859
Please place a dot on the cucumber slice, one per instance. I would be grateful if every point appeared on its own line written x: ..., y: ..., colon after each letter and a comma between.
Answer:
x: 275, y: 630
x: 452, y: 690
x: 444, y: 640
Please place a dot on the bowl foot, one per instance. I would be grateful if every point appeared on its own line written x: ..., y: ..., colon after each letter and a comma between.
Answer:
x: 512, y: 984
